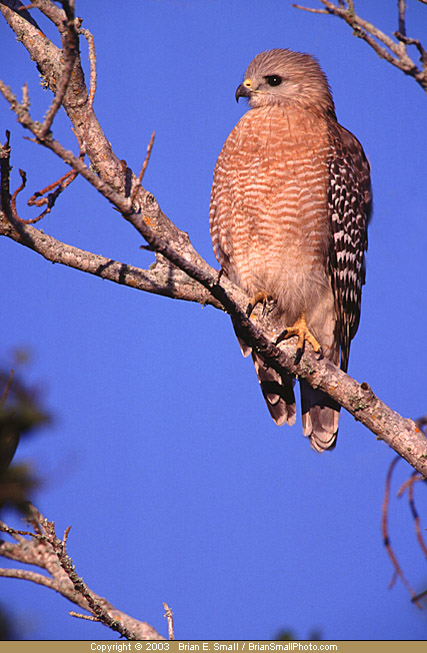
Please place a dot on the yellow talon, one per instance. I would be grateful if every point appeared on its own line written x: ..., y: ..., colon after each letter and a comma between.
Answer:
x: 301, y: 330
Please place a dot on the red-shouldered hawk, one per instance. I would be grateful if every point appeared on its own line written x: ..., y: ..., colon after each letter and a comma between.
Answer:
x: 289, y: 211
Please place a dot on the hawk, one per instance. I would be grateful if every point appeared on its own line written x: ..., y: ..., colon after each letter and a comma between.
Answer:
x: 290, y: 204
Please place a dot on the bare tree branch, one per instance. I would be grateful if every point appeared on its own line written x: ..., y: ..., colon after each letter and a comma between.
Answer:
x: 180, y: 271
x: 398, y: 573
x: 161, y: 280
x: 45, y: 550
x: 88, y: 617
x: 144, y: 167
x: 70, y: 46
x: 78, y: 106
x: 409, y: 486
x: 311, y: 10
x: 384, y: 45
x: 401, y: 8
x: 169, y: 616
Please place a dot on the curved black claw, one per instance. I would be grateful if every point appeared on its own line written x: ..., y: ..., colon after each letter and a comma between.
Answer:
x: 321, y: 355
x: 218, y: 279
x: 261, y: 297
x: 281, y: 337
x: 249, y: 309
x: 299, y: 354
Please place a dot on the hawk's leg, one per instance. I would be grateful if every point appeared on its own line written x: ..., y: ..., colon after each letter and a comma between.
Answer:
x: 261, y: 297
x: 301, y: 330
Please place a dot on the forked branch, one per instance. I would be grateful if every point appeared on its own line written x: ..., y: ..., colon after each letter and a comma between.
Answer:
x: 42, y: 548
x: 386, y: 47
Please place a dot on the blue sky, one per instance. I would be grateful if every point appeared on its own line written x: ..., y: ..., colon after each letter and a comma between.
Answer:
x: 162, y: 456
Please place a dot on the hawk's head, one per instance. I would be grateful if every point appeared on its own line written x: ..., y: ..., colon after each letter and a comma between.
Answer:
x: 283, y: 77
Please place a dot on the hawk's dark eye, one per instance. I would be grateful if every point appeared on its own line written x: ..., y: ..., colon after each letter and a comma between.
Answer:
x: 273, y: 80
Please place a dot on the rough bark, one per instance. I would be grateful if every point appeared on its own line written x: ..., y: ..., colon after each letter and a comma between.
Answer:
x: 393, y: 51
x: 42, y: 548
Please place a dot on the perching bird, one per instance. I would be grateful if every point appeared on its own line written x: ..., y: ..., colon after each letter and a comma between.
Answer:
x: 290, y: 204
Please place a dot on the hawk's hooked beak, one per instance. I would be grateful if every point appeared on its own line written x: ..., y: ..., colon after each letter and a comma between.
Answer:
x: 244, y: 90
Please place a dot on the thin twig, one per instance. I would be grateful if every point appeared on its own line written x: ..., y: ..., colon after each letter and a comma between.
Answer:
x: 169, y: 616
x: 15, y: 532
x: 9, y: 204
x: 38, y: 200
x: 92, y: 84
x: 34, y: 577
x: 144, y: 167
x: 57, y: 186
x: 409, y: 485
x: 421, y: 595
x: 5, y: 175
x: 69, y: 53
x: 122, y: 203
x: 416, y: 516
x: 410, y: 41
x: 311, y: 10
x: 55, y: 14
x: 401, y: 8
x: 13, y: 203
x: 410, y: 481
x: 89, y: 617
x: 386, y: 538
x: 66, y: 534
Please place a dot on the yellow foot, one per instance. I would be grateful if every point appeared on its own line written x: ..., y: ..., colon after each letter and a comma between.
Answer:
x: 301, y: 330
x: 261, y: 297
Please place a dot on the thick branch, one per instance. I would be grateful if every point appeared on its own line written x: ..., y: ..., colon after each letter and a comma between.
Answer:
x: 161, y: 279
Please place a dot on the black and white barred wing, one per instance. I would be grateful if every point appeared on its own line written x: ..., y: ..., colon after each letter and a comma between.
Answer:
x: 349, y: 201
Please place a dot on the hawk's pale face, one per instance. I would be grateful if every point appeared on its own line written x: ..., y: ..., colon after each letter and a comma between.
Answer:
x: 262, y: 89
x: 282, y: 77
